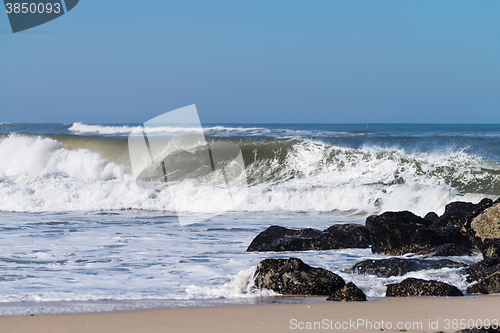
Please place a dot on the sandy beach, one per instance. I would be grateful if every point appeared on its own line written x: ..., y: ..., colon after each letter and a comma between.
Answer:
x: 421, y: 314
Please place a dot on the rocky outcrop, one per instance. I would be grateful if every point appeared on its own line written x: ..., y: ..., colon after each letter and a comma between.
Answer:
x: 418, y: 287
x: 491, y: 248
x: 350, y: 293
x: 458, y: 214
x: 457, y: 220
x: 482, y: 269
x: 397, y: 266
x: 294, y: 277
x: 397, y: 233
x: 487, y: 224
x: 487, y: 273
x: 338, y: 236
x: 487, y: 285
x: 445, y: 250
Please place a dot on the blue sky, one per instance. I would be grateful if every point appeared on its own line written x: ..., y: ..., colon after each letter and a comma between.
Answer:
x: 314, y: 61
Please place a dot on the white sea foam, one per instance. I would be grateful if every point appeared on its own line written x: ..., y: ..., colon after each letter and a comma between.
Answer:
x: 240, y: 285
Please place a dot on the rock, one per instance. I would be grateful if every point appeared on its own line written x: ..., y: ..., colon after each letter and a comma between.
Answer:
x: 457, y: 214
x: 294, y: 277
x: 418, y: 287
x: 445, y: 250
x: 452, y: 235
x: 397, y: 266
x: 487, y: 285
x: 431, y: 216
x: 342, y: 236
x: 338, y: 236
x: 397, y: 233
x: 487, y: 224
x: 480, y: 330
x: 454, y: 224
x: 491, y: 248
x: 483, y: 269
x: 276, y: 238
x: 350, y: 293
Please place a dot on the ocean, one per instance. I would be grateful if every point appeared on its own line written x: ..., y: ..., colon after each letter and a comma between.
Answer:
x: 79, y: 235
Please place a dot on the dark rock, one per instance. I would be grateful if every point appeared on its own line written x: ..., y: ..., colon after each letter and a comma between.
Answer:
x: 350, y: 293
x: 431, y: 216
x: 397, y: 266
x: 397, y: 233
x: 338, y: 236
x: 445, y: 250
x: 342, y: 236
x: 487, y: 285
x: 480, y: 330
x: 452, y: 235
x: 458, y: 213
x: 294, y: 277
x: 483, y: 269
x: 418, y: 287
x: 276, y: 238
x: 491, y: 248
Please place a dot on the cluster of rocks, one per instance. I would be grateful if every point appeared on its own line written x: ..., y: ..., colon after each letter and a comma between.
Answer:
x: 462, y: 229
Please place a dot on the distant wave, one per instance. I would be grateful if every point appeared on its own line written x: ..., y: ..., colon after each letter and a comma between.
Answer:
x: 218, y: 131
x: 125, y: 130
x: 83, y: 128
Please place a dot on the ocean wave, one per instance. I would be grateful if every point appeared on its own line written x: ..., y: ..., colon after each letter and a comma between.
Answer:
x: 126, y: 130
x: 218, y: 131
x: 67, y: 173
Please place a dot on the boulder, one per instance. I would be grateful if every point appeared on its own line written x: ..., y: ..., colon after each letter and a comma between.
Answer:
x: 418, y: 287
x: 453, y: 235
x: 457, y: 214
x: 397, y: 233
x: 338, y: 236
x: 294, y: 277
x: 342, y: 236
x: 431, y: 216
x: 483, y: 269
x: 487, y: 285
x: 276, y: 238
x: 491, y: 248
x: 487, y: 224
x: 397, y: 266
x: 445, y: 250
x: 350, y: 293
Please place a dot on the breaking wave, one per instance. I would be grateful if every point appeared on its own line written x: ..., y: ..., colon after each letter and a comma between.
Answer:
x: 75, y: 173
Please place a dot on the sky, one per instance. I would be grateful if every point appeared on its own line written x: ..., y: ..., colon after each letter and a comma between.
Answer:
x: 255, y: 61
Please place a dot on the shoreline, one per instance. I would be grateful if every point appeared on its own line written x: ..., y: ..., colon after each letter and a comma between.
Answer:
x: 425, y: 314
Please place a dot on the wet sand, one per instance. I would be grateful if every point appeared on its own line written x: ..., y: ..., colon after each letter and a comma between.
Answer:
x: 413, y: 314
